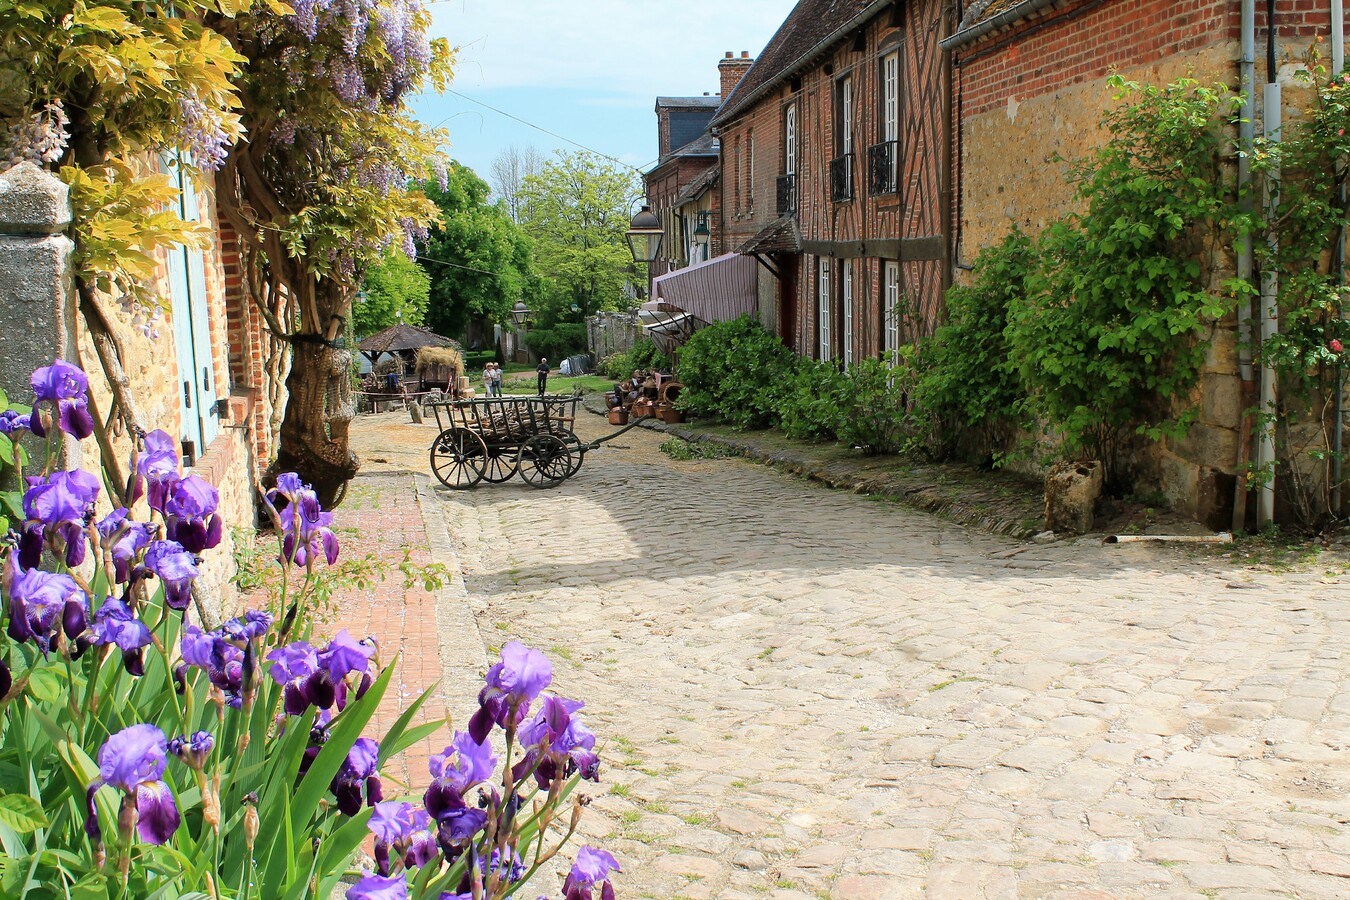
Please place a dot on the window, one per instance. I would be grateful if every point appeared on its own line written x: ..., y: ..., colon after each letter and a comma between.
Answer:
x: 191, y: 329
x: 890, y: 310
x: 790, y: 141
x: 848, y: 313
x: 736, y: 168
x: 823, y: 309
x: 890, y: 97
x: 845, y: 116
x: 750, y: 182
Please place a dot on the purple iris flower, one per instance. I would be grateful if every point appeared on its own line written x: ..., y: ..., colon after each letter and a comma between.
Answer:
x: 191, y: 514
x: 124, y: 538
x: 379, y: 887
x: 591, y: 868
x: 61, y: 505
x: 133, y: 761
x: 359, y: 778
x: 306, y: 529
x: 193, y: 749
x: 345, y: 655
x: 464, y: 763
x: 455, y: 827
x: 6, y: 679
x: 177, y: 568
x: 66, y: 388
x: 512, y: 685
x: 157, y: 470
x: 305, y: 682
x: 395, y: 826
x: 422, y: 848
x: 41, y: 604
x: 13, y: 423
x: 222, y: 661
x: 114, y: 623
x: 557, y: 744
x: 251, y: 626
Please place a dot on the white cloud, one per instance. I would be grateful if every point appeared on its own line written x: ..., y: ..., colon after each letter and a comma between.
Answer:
x: 639, y: 47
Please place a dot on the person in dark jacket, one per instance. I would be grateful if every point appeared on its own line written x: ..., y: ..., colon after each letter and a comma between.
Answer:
x: 542, y: 370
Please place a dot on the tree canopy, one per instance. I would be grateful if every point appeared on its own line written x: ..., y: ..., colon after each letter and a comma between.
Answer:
x: 576, y: 211
x: 479, y: 261
x: 396, y: 290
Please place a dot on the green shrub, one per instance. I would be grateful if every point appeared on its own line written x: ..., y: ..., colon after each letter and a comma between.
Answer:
x: 733, y: 371
x: 967, y: 379
x: 807, y: 401
x: 644, y: 354
x: 873, y: 411
x: 557, y: 343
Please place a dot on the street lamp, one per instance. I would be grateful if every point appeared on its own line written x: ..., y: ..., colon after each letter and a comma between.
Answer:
x: 644, y: 236
x: 520, y: 313
x: 702, y: 233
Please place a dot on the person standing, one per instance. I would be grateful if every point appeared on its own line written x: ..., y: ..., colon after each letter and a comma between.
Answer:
x: 496, y: 380
x: 542, y: 370
x: 487, y: 380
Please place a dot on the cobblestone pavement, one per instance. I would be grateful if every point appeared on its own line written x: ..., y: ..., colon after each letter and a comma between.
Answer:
x: 807, y: 694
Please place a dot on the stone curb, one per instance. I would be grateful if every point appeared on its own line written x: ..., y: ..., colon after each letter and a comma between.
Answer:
x: 923, y: 496
x: 462, y: 651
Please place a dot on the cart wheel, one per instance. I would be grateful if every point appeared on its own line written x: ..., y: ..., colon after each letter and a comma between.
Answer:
x: 458, y: 458
x: 499, y: 465
x: 573, y: 444
x: 544, y: 461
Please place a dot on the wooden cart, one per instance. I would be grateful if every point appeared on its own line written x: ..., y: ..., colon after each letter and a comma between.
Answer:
x: 494, y: 438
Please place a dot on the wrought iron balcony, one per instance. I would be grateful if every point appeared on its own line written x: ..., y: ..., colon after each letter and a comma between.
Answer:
x: 787, y: 195
x: 884, y: 159
x: 841, y: 178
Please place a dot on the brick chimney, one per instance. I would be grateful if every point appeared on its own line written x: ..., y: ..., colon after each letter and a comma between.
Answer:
x: 733, y: 69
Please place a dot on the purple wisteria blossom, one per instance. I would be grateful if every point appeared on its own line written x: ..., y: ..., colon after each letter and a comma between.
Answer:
x: 42, y: 604
x: 124, y: 538
x: 58, y: 508
x: 592, y: 868
x: 193, y: 749
x: 133, y: 762
x: 190, y: 513
x: 115, y: 624
x: 177, y: 568
x: 379, y: 887
x: 512, y: 685
x: 557, y: 744
x: 156, y: 470
x: 358, y: 780
x: 66, y: 388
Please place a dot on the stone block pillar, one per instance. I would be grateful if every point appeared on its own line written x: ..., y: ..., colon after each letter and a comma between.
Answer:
x: 37, y: 287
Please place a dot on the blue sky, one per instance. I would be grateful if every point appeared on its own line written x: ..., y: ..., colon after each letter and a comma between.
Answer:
x: 588, y: 70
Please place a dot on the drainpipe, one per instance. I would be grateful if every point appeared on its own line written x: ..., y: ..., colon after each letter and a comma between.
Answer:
x: 1246, y: 136
x: 1270, y: 285
x: 1337, y: 462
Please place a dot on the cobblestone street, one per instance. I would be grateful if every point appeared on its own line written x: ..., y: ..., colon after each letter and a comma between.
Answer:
x: 806, y: 693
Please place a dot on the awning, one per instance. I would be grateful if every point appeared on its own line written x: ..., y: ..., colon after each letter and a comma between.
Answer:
x: 718, y: 290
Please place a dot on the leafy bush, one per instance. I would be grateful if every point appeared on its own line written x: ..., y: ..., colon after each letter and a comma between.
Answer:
x: 559, y: 342
x: 732, y: 371
x: 686, y: 451
x: 874, y: 414
x: 143, y: 756
x: 966, y: 379
x: 644, y: 354
x: 807, y: 402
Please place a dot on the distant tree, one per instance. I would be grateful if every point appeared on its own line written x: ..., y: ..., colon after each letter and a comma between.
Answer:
x: 478, y: 260
x: 576, y: 211
x: 396, y: 290
x: 509, y: 171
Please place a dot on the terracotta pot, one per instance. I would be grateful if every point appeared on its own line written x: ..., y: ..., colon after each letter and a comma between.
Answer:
x: 618, y: 416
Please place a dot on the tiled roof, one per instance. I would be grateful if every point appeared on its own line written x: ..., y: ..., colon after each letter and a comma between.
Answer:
x: 697, y: 187
x: 983, y: 10
x: 811, y: 27
x: 706, y: 145
x: 688, y: 102
x: 779, y: 236
x: 985, y: 17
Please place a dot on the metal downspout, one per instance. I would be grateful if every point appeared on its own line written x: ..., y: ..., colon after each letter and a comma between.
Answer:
x: 1337, y: 460
x: 1270, y: 285
x: 1246, y: 136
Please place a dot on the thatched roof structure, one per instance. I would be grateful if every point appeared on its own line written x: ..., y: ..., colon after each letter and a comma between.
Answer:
x: 430, y: 358
x: 403, y: 337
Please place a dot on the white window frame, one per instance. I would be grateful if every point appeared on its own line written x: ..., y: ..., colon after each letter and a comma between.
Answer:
x: 890, y: 111
x: 790, y: 141
x: 848, y: 312
x: 823, y: 310
x: 750, y: 152
x: 846, y: 119
x: 890, y: 310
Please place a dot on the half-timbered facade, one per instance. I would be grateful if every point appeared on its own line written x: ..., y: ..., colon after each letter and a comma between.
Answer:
x: 834, y: 175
